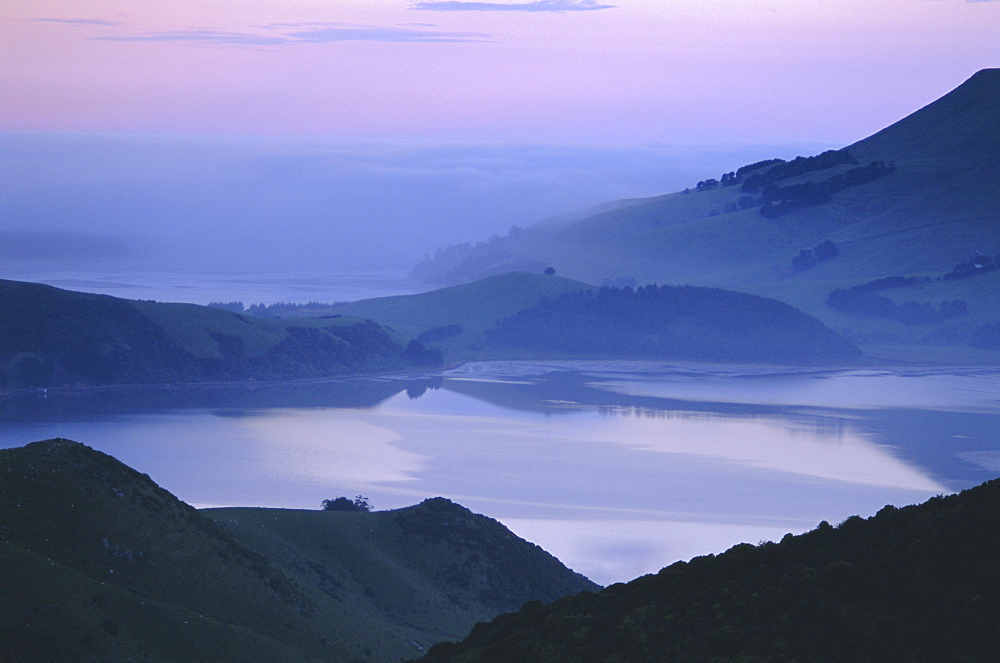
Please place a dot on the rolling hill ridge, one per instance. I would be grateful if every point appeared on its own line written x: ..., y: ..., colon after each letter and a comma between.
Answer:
x: 102, y: 564
x: 918, y: 198
x: 51, y: 337
x: 522, y: 315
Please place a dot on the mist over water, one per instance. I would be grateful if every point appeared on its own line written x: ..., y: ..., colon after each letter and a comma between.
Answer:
x: 135, y: 203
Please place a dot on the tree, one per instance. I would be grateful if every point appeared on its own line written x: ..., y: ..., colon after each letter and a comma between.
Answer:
x: 805, y: 260
x: 420, y: 355
x: 359, y: 503
x: 550, y: 271
x: 826, y: 250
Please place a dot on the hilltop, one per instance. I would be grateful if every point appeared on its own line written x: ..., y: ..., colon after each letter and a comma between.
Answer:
x: 455, y: 318
x: 51, y: 337
x: 917, y: 199
x: 920, y: 583
x: 102, y: 564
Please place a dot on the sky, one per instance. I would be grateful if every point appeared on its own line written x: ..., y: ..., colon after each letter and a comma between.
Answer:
x: 423, y: 123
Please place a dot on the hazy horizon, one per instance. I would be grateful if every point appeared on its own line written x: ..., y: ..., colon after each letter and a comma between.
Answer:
x: 146, y: 133
x: 226, y: 203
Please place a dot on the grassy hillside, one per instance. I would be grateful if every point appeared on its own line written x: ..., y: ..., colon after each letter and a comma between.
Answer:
x: 51, y: 337
x: 101, y: 564
x: 428, y: 572
x: 475, y: 307
x: 934, y: 204
x: 921, y: 583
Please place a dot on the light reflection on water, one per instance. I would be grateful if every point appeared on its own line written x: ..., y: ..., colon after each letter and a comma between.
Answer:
x: 613, y: 476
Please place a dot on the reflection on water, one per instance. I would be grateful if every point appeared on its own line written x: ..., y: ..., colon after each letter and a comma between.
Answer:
x: 796, y: 446
x: 614, y: 476
x: 329, y: 447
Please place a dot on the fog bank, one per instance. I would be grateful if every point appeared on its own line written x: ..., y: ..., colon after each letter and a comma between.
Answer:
x: 323, y: 204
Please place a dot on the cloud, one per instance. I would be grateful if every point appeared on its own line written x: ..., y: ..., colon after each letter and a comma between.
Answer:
x: 535, y: 6
x: 76, y: 21
x: 205, y: 36
x: 334, y: 33
x: 315, y: 33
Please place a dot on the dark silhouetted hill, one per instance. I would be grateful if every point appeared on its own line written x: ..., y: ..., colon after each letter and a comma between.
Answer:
x: 51, y: 337
x: 101, y: 564
x: 920, y: 583
x: 672, y: 322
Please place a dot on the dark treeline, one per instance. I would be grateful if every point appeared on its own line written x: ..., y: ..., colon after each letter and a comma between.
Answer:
x: 760, y: 182
x: 797, y: 166
x: 232, y: 307
x: 423, y: 357
x: 671, y: 322
x: 436, y: 334
x: 809, y: 258
x: 978, y: 264
x: 910, y: 313
x: 861, y: 300
x: 778, y: 200
x: 735, y: 177
x: 278, y: 310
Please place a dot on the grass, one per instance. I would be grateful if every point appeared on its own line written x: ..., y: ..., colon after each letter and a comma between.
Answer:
x: 475, y: 306
x: 102, y: 564
x: 191, y: 327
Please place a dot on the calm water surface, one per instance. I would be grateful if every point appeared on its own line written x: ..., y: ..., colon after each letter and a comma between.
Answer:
x: 256, y: 286
x: 617, y: 468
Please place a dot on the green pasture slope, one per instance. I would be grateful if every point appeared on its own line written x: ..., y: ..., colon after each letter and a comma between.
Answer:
x: 101, y: 564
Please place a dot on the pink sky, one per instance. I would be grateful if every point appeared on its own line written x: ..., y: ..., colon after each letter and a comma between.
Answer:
x: 691, y: 71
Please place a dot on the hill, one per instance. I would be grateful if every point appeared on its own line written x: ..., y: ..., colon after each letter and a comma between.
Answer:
x: 672, y: 322
x: 918, y: 198
x: 102, y: 564
x: 533, y: 315
x: 51, y: 337
x: 455, y: 318
x: 921, y: 583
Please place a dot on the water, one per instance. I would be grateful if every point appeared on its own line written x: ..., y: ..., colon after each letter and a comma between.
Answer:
x: 257, y: 286
x: 617, y: 468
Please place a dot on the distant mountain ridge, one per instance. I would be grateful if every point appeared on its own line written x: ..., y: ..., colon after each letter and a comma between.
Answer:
x: 99, y: 563
x: 931, y: 203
